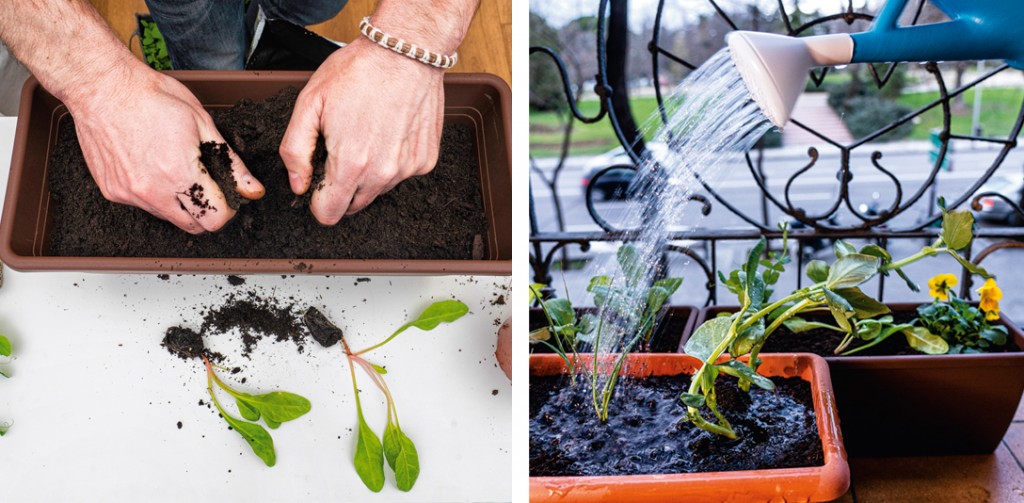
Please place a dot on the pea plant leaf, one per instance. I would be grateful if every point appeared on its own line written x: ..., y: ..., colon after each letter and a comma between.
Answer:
x: 369, y: 458
x: 257, y: 438
x: 842, y: 248
x: 957, y: 229
x: 817, y: 270
x: 692, y: 399
x: 631, y: 263
x: 5, y: 346
x: 747, y: 339
x: 445, y: 311
x: 971, y: 266
x: 248, y: 412
x: 851, y: 270
x: 401, y: 455
x: 708, y: 336
x: 743, y: 372
x: 840, y: 308
x: 798, y: 325
x: 863, y: 305
x: 924, y: 341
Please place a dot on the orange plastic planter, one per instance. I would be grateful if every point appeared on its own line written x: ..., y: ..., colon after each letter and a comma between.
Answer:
x: 820, y: 483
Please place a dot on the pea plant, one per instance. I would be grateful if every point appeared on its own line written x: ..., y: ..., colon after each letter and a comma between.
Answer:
x: 627, y: 310
x: 5, y: 352
x: 274, y: 408
x: 397, y: 448
x: 835, y: 288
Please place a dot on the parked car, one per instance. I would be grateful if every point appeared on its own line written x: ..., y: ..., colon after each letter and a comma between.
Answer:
x: 615, y: 183
x: 996, y: 210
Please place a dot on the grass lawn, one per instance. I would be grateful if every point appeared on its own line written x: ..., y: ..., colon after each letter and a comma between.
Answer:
x: 999, y: 109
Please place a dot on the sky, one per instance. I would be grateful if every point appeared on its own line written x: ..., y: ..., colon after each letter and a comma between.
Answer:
x: 642, y: 12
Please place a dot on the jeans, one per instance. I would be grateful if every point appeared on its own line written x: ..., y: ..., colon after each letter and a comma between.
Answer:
x: 211, y: 34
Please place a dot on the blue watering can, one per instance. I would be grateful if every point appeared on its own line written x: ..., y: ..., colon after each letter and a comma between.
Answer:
x: 774, y: 67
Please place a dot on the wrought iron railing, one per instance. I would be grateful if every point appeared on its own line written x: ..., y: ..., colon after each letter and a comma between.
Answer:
x: 879, y: 225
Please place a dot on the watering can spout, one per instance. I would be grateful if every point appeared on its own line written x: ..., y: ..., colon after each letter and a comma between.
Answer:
x: 774, y: 67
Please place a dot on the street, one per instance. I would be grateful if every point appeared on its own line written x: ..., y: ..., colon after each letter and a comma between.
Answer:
x: 815, y: 191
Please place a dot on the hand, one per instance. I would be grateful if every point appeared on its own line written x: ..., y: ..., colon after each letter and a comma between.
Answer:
x: 141, y: 141
x: 380, y: 114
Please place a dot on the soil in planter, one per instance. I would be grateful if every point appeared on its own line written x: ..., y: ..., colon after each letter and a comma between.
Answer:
x: 436, y: 216
x: 823, y: 342
x: 665, y: 339
x: 645, y: 433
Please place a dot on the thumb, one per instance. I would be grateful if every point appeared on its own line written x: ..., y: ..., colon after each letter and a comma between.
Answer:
x: 299, y: 142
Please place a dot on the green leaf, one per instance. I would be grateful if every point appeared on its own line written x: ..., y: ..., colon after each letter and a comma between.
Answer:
x: 707, y: 337
x: 656, y: 297
x: 247, y: 412
x: 369, y: 458
x: 970, y: 266
x: 741, y: 371
x: 876, y: 251
x: 754, y: 257
x: 535, y: 289
x: 842, y: 248
x: 924, y: 341
x: 559, y: 312
x: 377, y: 368
x: 910, y: 284
x: 746, y: 340
x: 3, y: 428
x: 541, y: 334
x: 401, y: 455
x: 863, y: 305
x: 631, y: 264
x: 851, y: 270
x: 279, y: 406
x: 957, y: 229
x: 817, y: 270
x: 598, y: 281
x: 840, y: 308
x: 261, y: 442
x: 5, y: 346
x: 692, y: 399
x: 271, y: 423
x: 445, y: 311
x: 670, y: 284
x: 797, y: 325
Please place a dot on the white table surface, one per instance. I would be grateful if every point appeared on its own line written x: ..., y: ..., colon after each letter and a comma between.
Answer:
x: 95, y: 400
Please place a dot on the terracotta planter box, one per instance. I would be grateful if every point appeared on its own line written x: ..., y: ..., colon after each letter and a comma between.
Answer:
x: 920, y: 405
x: 821, y: 483
x: 479, y: 101
x: 668, y: 336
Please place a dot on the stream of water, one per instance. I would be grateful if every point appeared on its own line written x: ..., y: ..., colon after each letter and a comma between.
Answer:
x: 712, y: 120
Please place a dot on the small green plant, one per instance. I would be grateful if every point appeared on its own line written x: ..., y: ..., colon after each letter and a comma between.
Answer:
x: 836, y: 288
x: 397, y: 448
x: 274, y: 408
x: 5, y: 352
x: 631, y: 305
x: 154, y: 49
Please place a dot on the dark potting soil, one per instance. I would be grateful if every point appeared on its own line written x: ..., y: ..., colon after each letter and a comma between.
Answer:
x: 666, y: 337
x: 645, y: 432
x: 253, y: 316
x: 436, y: 216
x: 823, y: 342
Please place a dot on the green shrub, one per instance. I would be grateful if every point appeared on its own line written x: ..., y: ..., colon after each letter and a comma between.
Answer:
x: 867, y: 114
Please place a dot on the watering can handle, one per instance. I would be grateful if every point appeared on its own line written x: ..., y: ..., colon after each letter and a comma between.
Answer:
x: 890, y: 15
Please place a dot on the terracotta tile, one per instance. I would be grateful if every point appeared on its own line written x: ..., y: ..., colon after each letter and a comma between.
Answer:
x: 1020, y: 412
x: 995, y: 478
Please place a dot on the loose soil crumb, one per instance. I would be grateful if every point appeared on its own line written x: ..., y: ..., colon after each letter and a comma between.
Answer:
x: 645, y: 433
x: 164, y: 277
x: 436, y: 216
x: 256, y: 317
x: 236, y: 280
x: 179, y: 425
x: 184, y: 342
x: 322, y: 330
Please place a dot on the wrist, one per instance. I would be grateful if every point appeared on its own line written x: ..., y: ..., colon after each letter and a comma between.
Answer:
x: 392, y: 62
x: 439, y: 27
x: 103, y: 81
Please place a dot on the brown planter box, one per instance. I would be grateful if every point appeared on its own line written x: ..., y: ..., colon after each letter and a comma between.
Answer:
x: 478, y: 100
x: 820, y: 483
x: 668, y: 337
x: 921, y: 405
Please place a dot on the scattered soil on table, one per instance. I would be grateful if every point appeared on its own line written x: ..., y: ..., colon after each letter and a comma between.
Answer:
x: 667, y: 333
x: 256, y: 317
x: 321, y: 329
x: 646, y: 434
x: 236, y: 280
x: 436, y: 216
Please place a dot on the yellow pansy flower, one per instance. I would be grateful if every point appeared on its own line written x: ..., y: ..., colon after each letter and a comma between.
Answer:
x: 940, y: 285
x: 990, y: 295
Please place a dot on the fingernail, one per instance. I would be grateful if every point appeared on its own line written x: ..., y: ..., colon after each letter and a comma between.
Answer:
x: 294, y: 177
x: 247, y: 179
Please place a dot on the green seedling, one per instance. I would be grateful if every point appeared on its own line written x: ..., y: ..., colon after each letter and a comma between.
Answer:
x: 273, y: 408
x: 5, y: 352
x: 835, y: 288
x: 397, y: 449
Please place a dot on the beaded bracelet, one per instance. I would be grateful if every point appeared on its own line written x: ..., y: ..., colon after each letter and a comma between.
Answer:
x: 405, y: 48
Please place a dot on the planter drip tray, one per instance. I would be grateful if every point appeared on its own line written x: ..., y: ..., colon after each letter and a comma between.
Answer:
x: 456, y: 220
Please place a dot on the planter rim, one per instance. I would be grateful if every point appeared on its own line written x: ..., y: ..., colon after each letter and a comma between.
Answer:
x: 1005, y: 359
x: 818, y: 483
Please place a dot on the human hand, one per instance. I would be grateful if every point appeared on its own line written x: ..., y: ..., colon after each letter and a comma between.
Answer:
x: 141, y: 140
x: 380, y: 114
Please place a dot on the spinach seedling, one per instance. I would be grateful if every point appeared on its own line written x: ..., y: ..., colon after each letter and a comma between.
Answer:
x: 274, y: 408
x: 5, y: 351
x: 397, y: 448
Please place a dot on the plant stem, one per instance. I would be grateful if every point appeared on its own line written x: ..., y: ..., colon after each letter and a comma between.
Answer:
x: 927, y: 251
x: 775, y: 305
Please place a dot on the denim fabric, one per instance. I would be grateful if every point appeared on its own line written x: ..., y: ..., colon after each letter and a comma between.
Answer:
x: 211, y: 34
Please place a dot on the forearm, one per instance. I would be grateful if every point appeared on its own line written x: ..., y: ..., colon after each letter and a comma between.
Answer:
x: 437, y: 25
x: 66, y: 45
